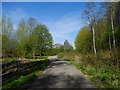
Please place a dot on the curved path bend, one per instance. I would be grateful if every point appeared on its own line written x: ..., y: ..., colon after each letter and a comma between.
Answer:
x: 61, y: 74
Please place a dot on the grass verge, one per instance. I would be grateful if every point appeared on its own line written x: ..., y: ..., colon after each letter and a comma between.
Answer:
x: 24, y: 73
x: 21, y: 83
x: 105, y: 77
x: 9, y: 59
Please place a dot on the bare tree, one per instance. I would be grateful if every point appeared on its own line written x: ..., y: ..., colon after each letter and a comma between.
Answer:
x: 67, y: 45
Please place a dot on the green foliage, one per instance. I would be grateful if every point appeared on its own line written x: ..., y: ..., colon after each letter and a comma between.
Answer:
x: 55, y: 51
x: 102, y: 68
x: 30, y: 39
x: 9, y: 59
x: 61, y: 55
x: 8, y: 43
x: 83, y: 40
x: 22, y: 36
x: 102, y: 31
x: 42, y: 57
x: 42, y: 39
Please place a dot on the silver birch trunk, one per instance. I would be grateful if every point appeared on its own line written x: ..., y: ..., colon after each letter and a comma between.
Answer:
x: 94, y: 46
x: 109, y: 43
x: 113, y: 32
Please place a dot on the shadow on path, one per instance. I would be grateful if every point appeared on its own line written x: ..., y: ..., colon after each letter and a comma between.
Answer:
x: 61, y: 74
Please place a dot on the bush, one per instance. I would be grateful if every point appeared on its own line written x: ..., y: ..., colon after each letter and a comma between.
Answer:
x: 60, y: 55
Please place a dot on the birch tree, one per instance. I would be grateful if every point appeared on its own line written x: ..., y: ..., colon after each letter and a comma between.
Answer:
x: 90, y: 16
x: 112, y: 7
x: 22, y: 37
x: 31, y: 24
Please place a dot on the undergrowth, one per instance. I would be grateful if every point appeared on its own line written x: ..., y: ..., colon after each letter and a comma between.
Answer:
x: 102, y: 69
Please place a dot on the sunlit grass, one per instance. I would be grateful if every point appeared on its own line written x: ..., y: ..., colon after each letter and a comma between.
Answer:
x: 102, y: 69
x: 9, y: 59
x: 105, y: 77
x: 22, y: 59
x: 26, y: 71
x: 21, y: 82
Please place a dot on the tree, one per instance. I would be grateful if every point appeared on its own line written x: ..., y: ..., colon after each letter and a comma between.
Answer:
x: 114, y: 14
x: 22, y: 37
x: 31, y: 24
x: 7, y: 42
x: 90, y: 15
x: 43, y: 39
x: 112, y: 21
x: 111, y: 12
x: 83, y: 40
x: 28, y: 40
x: 67, y: 46
x: 102, y: 35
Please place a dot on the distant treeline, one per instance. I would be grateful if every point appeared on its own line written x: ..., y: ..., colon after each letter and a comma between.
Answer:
x: 28, y: 40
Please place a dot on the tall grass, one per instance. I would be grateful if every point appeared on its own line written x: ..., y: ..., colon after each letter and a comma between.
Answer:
x: 70, y: 55
x: 102, y: 69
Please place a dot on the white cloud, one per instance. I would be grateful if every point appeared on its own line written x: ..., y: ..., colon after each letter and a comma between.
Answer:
x: 61, y: 29
x: 16, y: 14
x: 64, y: 28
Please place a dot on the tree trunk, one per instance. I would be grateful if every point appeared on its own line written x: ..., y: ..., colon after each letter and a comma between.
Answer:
x: 113, y: 32
x: 33, y: 52
x: 94, y: 46
x: 109, y: 43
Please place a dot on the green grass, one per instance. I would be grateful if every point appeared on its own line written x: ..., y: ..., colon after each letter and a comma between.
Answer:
x: 105, y: 77
x: 13, y: 59
x: 24, y: 74
x: 9, y: 59
x: 21, y: 82
x: 42, y: 57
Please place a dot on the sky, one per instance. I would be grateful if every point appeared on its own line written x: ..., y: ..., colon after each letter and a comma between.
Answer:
x: 63, y: 19
x: 60, y: 0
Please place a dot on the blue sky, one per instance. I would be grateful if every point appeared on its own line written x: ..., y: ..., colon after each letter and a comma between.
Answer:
x: 63, y: 19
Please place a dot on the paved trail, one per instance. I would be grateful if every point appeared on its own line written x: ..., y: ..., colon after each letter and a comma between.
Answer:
x: 61, y: 74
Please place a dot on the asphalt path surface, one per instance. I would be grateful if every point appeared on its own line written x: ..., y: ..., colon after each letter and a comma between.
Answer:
x: 61, y: 74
